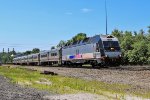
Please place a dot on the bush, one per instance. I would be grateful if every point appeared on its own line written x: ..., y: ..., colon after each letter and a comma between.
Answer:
x: 135, y: 48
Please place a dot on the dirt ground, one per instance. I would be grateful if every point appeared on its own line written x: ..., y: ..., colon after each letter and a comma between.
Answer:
x: 138, y: 76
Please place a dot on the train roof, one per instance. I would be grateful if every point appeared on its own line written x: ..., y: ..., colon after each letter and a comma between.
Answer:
x: 93, y: 40
x: 44, y: 51
x: 52, y: 50
x: 32, y: 54
x: 108, y: 38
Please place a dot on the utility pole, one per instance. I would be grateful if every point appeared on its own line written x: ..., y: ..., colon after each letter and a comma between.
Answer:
x: 8, y: 50
x: 106, y: 15
x: 2, y: 58
x: 12, y: 55
x: 3, y: 50
x: 8, y: 56
x: 13, y: 51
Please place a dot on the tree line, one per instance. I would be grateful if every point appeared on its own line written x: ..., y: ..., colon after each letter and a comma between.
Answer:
x: 135, y: 46
x: 76, y: 38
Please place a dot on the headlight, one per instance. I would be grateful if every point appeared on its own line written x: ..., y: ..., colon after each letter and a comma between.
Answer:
x: 119, y: 55
x: 112, y: 49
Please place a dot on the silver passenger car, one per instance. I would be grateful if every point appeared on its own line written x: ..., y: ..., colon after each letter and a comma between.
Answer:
x: 32, y: 59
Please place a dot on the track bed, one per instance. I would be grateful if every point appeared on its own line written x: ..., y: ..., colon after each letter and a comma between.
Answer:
x: 138, y: 76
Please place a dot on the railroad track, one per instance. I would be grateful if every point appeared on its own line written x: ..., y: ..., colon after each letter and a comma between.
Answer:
x: 128, y: 68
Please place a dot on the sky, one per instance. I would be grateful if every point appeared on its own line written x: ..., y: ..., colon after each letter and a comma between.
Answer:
x: 28, y: 24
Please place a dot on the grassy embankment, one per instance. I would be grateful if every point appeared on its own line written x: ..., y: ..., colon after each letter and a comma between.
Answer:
x: 65, y: 85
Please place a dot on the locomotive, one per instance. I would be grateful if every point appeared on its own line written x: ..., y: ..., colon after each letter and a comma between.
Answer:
x: 97, y: 50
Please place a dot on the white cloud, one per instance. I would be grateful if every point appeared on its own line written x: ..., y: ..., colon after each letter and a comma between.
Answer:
x: 86, y: 10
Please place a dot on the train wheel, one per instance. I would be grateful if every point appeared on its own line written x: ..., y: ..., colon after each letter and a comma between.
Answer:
x: 93, y: 65
x: 79, y: 65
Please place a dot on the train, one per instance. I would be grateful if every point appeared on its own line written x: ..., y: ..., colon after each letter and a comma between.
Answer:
x: 99, y: 50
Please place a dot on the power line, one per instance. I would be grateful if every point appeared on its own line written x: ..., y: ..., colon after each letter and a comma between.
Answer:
x: 26, y: 45
x: 16, y: 44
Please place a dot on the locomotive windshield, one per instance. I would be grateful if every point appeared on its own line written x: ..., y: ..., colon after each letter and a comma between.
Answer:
x: 111, y: 45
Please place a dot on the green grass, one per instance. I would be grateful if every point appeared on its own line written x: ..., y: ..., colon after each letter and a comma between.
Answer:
x: 67, y: 85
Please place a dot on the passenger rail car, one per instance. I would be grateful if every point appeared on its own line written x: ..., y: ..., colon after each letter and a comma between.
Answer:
x: 96, y: 50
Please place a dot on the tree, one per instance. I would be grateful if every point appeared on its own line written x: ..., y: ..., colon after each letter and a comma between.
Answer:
x: 27, y: 52
x: 141, y: 32
x: 118, y: 34
x: 35, y: 50
x: 139, y: 55
x: 135, y: 33
x: 69, y: 42
x: 61, y: 43
x: 79, y: 37
x: 149, y: 29
x: 53, y: 47
x: 127, y: 41
x: 6, y: 57
x: 126, y: 45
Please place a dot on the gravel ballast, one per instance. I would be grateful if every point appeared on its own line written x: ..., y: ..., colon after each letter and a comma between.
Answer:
x: 10, y: 91
x: 138, y: 76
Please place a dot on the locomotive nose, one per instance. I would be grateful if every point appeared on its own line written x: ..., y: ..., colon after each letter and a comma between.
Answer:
x: 113, y: 54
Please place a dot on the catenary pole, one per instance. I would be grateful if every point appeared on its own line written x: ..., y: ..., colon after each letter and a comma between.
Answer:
x: 106, y: 16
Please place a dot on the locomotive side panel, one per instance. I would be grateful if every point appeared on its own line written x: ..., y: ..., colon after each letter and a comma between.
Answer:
x: 79, y: 54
